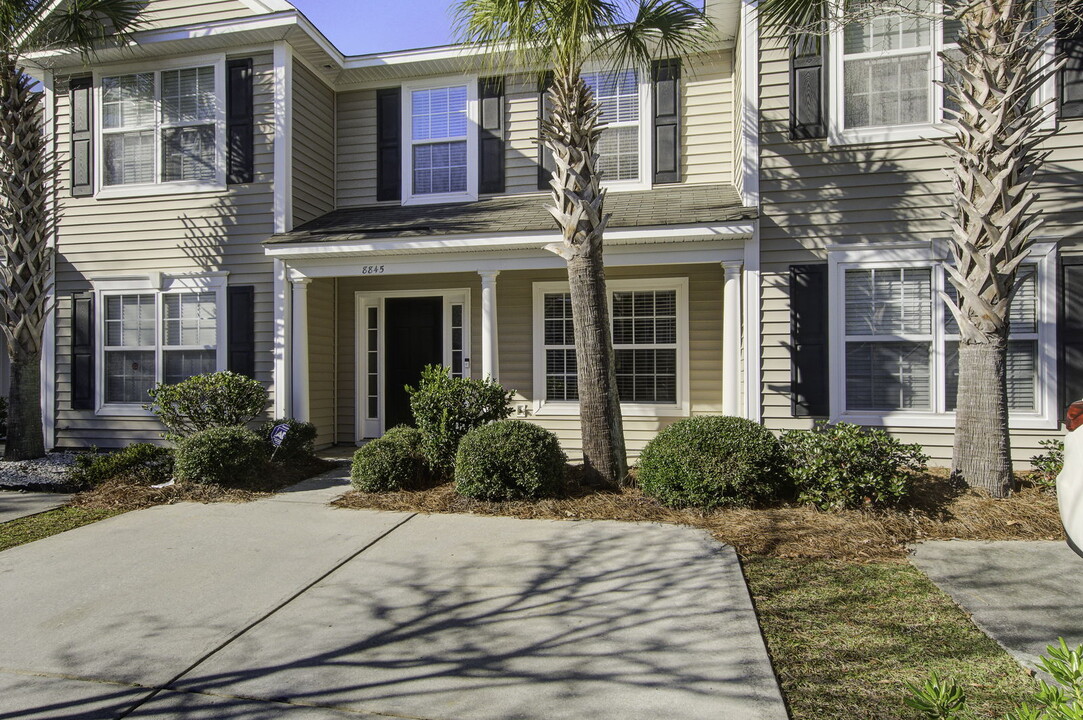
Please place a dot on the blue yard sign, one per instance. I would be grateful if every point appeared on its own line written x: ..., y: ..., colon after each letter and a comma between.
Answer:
x: 278, y: 434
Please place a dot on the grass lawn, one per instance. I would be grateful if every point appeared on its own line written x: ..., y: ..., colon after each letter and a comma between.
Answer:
x: 846, y: 637
x: 35, y: 527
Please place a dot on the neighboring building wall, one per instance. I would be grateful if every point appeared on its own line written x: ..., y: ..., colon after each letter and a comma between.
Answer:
x: 171, y: 13
x: 162, y: 233
x: 707, y: 118
x: 313, y: 146
x: 814, y: 195
x: 355, y: 166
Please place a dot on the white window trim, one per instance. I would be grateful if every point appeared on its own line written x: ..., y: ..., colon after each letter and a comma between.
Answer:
x: 646, y: 132
x: 407, y: 133
x: 934, y: 127
x: 367, y: 427
x: 175, y: 187
x: 678, y: 409
x: 842, y: 258
x: 158, y: 285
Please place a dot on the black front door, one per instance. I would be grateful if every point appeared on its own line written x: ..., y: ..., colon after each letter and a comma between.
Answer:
x: 414, y: 340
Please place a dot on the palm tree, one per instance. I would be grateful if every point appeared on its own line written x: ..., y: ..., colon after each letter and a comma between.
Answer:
x: 28, y: 214
x: 994, y: 151
x: 559, y: 36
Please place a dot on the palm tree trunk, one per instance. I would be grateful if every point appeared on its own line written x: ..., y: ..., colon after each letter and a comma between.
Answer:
x: 25, y: 439
x: 571, y: 132
x: 982, y: 449
x: 27, y: 220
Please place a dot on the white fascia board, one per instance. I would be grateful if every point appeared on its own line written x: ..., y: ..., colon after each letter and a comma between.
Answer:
x: 541, y: 238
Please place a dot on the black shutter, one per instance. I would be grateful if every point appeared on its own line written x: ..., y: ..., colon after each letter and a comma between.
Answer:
x: 491, y: 136
x: 82, y: 136
x: 666, y: 75
x: 807, y: 87
x: 82, y: 351
x: 1070, y: 77
x: 240, y: 123
x: 546, y: 164
x: 388, y: 144
x: 809, y: 376
x: 241, y: 328
x: 1071, y: 331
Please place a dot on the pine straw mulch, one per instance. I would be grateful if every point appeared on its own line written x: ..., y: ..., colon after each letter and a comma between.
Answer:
x: 123, y: 496
x: 937, y: 510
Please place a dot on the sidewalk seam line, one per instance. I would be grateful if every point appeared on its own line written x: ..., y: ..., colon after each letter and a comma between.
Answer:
x: 214, y: 651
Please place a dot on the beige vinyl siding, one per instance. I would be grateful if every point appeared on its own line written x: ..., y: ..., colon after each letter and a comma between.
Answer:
x: 185, y: 233
x: 172, y: 13
x: 515, y: 300
x: 707, y: 126
x: 355, y: 120
x: 313, y: 146
x: 815, y: 195
x: 707, y: 106
x: 736, y: 125
x: 321, y: 353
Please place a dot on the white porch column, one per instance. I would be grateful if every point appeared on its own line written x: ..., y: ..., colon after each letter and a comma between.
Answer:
x: 299, y: 349
x: 731, y: 339
x: 490, y: 357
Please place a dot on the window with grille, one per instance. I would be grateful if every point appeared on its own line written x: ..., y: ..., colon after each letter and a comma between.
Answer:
x: 439, y: 123
x: 161, y: 127
x: 617, y: 94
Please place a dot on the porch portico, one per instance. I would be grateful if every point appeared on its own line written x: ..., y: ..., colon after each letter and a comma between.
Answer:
x: 361, y: 308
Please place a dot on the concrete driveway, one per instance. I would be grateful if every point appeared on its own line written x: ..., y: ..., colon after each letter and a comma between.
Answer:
x: 290, y: 608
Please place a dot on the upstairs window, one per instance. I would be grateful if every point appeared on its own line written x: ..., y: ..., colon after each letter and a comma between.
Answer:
x: 163, y: 127
x: 619, y: 151
x: 440, y: 155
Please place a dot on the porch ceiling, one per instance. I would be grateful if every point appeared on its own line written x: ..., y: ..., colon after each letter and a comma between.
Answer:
x: 511, y: 215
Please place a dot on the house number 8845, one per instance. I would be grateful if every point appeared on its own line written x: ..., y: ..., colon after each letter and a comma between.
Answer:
x: 372, y: 269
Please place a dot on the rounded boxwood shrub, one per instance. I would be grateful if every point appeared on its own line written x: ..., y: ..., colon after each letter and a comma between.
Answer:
x: 216, y: 399
x: 509, y: 460
x: 140, y: 464
x: 708, y: 462
x: 848, y: 466
x: 299, y: 443
x: 391, y: 462
x: 230, y: 456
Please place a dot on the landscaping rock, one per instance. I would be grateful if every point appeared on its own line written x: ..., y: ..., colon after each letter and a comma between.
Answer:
x: 47, y: 474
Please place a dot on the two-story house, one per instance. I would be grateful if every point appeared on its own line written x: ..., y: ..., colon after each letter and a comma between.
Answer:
x: 240, y: 195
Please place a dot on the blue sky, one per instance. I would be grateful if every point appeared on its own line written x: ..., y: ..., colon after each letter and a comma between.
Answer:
x: 357, y: 27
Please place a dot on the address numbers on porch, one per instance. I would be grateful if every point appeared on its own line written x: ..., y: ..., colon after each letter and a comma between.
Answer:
x: 372, y: 269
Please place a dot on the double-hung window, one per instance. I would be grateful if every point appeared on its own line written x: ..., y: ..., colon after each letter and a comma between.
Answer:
x: 440, y: 155
x: 620, y: 151
x: 163, y: 128
x: 150, y: 336
x: 648, y: 318
x: 896, y: 348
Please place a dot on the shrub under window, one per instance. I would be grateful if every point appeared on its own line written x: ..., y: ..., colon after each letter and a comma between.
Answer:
x: 710, y: 462
x: 391, y: 462
x: 230, y: 456
x: 299, y: 443
x: 217, y: 399
x: 509, y: 460
x: 846, y: 466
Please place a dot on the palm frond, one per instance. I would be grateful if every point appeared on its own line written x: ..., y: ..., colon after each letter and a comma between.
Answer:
x: 793, y: 16
x: 85, y: 24
x: 660, y: 28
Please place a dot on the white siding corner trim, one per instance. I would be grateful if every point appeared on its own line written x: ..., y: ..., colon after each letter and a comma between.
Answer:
x: 283, y: 137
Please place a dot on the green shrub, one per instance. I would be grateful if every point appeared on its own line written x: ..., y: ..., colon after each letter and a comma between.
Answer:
x: 218, y: 399
x: 847, y: 466
x: 299, y: 443
x: 230, y: 456
x: 139, y: 464
x: 509, y: 460
x: 709, y: 462
x: 391, y: 462
x: 940, y: 700
x: 1047, y: 465
x: 447, y: 408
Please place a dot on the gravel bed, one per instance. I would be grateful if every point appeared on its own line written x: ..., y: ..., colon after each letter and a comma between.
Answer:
x: 48, y: 473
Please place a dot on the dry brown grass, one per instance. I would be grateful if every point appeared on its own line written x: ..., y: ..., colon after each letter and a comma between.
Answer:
x: 937, y: 511
x: 120, y: 495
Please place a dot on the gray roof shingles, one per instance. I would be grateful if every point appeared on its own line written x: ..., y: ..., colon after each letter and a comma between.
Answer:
x: 672, y: 205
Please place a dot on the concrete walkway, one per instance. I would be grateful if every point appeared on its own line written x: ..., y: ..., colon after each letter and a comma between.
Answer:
x: 1022, y: 594
x: 15, y: 504
x: 289, y: 608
